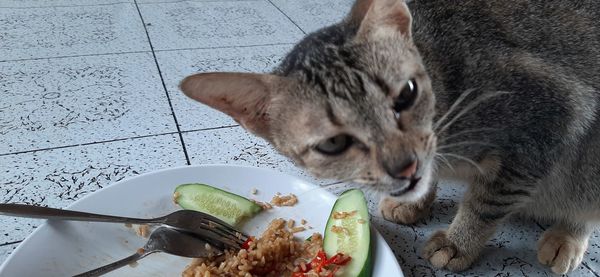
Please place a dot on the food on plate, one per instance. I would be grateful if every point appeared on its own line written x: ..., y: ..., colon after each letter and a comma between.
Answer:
x: 344, y: 251
x: 284, y: 200
x: 264, y: 205
x: 224, y: 205
x: 143, y: 230
x: 275, y: 253
x: 348, y: 232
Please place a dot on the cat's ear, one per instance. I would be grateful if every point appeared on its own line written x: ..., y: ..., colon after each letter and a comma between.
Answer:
x: 380, y: 17
x: 243, y: 96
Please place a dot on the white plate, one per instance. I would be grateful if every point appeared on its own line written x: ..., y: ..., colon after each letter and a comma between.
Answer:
x: 67, y: 248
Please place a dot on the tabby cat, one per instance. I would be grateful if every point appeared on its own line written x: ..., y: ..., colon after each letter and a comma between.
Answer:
x: 502, y: 94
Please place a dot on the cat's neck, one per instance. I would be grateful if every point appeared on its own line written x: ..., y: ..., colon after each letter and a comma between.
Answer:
x: 437, y: 78
x: 437, y: 61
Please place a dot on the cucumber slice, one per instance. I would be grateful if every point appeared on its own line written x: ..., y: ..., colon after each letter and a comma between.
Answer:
x: 351, y: 234
x: 224, y: 205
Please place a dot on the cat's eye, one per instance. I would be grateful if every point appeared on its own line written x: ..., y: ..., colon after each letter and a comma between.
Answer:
x: 407, y: 96
x: 335, y: 145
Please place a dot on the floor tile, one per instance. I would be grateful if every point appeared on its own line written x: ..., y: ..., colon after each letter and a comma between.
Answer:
x: 235, y: 146
x: 6, y: 250
x: 58, y: 177
x: 311, y: 15
x: 592, y: 258
x: 65, y: 31
x: 54, y: 3
x: 55, y: 102
x: 216, y: 24
x: 175, y: 65
x: 173, y: 1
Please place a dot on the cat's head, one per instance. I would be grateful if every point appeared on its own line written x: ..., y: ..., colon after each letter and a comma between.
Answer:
x: 351, y: 102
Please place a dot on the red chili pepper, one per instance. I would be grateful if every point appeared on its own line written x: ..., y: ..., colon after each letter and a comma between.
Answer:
x: 321, y: 261
x: 246, y: 244
x: 339, y: 259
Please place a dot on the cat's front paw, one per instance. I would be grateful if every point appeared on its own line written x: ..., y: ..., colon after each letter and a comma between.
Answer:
x: 560, y: 251
x: 441, y: 252
x: 403, y: 213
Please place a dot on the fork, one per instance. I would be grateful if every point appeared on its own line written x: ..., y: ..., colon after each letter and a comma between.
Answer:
x: 166, y: 240
x: 215, y: 231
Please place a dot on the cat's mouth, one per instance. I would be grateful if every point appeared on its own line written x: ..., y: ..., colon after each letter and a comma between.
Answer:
x: 410, y: 187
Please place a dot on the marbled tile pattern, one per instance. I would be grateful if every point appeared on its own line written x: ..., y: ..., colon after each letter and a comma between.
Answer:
x: 58, y: 177
x: 6, y: 250
x: 511, y: 252
x: 55, y: 3
x: 205, y: 147
x: 66, y: 101
x: 213, y: 24
x: 311, y: 15
x: 173, y: 1
x: 65, y: 31
x: 71, y: 125
x: 593, y: 254
x: 175, y: 65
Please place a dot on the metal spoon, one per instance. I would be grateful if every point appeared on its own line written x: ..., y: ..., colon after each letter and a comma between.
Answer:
x: 165, y: 240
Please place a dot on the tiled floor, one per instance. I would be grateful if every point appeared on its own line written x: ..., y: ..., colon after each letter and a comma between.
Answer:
x: 89, y: 97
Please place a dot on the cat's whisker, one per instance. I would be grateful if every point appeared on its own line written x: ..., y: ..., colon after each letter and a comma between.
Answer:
x: 334, y: 185
x: 471, y: 106
x: 452, y: 136
x: 468, y: 142
x: 459, y: 157
x: 445, y: 160
x: 459, y: 100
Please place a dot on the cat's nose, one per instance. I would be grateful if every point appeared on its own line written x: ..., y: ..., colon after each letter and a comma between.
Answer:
x: 403, y: 170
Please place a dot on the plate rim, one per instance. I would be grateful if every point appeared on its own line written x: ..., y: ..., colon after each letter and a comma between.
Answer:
x: 45, y: 224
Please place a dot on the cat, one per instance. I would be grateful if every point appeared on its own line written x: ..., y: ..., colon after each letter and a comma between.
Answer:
x: 501, y: 94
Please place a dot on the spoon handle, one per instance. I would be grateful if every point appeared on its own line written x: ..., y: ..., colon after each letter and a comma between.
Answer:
x: 50, y: 213
x: 112, y: 266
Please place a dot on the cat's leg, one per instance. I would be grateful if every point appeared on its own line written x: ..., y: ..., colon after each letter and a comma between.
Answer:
x: 407, y: 212
x: 478, y: 216
x: 563, y: 245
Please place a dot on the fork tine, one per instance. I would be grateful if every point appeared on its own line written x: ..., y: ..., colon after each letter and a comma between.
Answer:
x: 227, y: 232
x: 214, y: 239
x: 231, y: 239
x: 226, y: 227
x: 203, y: 224
x: 214, y: 222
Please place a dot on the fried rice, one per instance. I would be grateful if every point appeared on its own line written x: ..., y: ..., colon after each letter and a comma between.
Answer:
x: 275, y: 253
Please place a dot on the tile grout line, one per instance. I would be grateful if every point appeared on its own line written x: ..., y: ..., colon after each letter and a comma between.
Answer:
x: 223, y: 47
x: 115, y: 140
x: 67, y: 6
x: 196, y: 1
x: 539, y: 225
x: 290, y: 19
x: 147, y: 51
x: 86, y: 144
x: 74, y: 56
x: 210, y: 129
x: 162, y: 80
x: 10, y: 243
x: 117, y: 3
x: 588, y: 267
